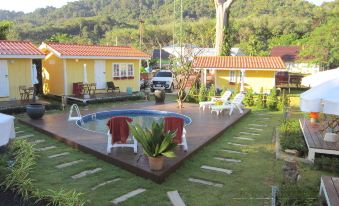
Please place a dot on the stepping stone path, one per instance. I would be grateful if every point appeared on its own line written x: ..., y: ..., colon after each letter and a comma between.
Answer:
x: 17, y: 127
x: 249, y: 133
x: 105, y: 183
x: 233, y: 152
x: 216, y: 169
x: 86, y: 172
x: 262, y: 114
x: 37, y: 141
x: 244, y: 138
x: 45, y: 148
x: 18, y: 132
x: 237, y: 144
x: 58, y: 155
x: 128, y: 195
x: 175, y: 198
x: 205, y: 182
x: 25, y: 136
x: 68, y: 164
x: 227, y: 159
x: 258, y: 125
x: 257, y: 129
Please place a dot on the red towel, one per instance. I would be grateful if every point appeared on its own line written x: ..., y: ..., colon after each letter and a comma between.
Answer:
x: 119, y: 129
x: 174, y: 124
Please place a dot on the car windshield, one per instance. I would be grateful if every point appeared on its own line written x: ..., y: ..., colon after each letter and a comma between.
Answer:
x: 164, y: 74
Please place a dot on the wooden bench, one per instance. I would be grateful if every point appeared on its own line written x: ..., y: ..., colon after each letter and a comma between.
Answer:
x: 315, y: 140
x: 329, y: 188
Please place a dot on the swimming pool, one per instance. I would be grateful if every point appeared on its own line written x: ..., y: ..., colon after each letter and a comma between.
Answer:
x: 96, y: 122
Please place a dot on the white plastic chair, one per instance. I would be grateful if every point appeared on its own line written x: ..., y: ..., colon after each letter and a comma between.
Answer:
x: 236, y: 103
x: 110, y: 144
x: 223, y: 98
x: 183, y: 141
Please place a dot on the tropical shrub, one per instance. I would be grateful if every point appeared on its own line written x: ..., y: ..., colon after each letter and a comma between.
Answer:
x: 272, y: 100
x: 211, y: 92
x: 249, y: 97
x: 291, y: 136
x: 154, y: 141
x: 192, y: 94
x: 202, y: 93
x: 260, y: 103
x: 284, y: 101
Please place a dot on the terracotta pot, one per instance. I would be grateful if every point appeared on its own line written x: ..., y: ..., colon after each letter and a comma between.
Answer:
x: 156, y: 163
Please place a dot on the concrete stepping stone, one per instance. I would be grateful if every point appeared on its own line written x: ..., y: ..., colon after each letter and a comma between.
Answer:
x: 25, y: 136
x: 45, y: 148
x: 249, y: 133
x: 86, y: 172
x: 261, y: 114
x: 37, y: 141
x: 227, y: 159
x: 19, y: 132
x: 237, y: 144
x: 258, y: 125
x: 205, y: 182
x: 256, y: 129
x: 68, y: 164
x: 216, y: 169
x: 105, y: 183
x: 128, y: 195
x: 17, y: 127
x: 244, y: 138
x: 233, y: 152
x: 175, y: 198
x: 58, y: 155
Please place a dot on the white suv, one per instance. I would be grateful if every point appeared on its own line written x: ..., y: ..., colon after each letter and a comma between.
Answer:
x: 163, y: 79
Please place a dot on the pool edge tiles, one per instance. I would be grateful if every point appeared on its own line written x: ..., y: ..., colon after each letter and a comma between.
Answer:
x: 103, y: 115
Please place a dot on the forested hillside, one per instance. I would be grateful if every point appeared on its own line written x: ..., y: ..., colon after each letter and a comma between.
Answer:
x: 256, y: 26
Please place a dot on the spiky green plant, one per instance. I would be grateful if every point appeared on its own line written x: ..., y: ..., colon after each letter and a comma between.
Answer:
x: 155, y: 141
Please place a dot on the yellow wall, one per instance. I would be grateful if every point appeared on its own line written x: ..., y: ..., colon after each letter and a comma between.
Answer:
x: 253, y: 79
x: 19, y: 73
x: 53, y: 75
x: 75, y: 73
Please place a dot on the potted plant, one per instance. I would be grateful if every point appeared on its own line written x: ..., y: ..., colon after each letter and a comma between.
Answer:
x: 156, y: 143
x: 35, y: 110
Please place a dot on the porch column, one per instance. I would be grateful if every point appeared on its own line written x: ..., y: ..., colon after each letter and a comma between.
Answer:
x: 205, y: 76
x: 242, y: 80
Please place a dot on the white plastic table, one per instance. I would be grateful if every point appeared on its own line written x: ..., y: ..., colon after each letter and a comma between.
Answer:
x: 7, y: 130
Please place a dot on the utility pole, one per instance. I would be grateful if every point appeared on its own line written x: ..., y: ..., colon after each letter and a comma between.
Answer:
x: 181, y: 20
x: 174, y: 18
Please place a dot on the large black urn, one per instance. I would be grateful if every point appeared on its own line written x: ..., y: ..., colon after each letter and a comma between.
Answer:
x: 159, y: 96
x: 35, y: 110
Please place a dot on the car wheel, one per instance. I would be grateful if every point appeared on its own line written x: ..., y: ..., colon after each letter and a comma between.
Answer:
x: 171, y: 89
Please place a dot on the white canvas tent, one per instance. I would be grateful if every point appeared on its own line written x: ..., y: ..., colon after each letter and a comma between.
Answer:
x: 320, y: 77
x: 322, y: 98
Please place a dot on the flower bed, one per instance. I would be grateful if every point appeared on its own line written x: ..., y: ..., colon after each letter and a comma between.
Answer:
x: 292, y: 137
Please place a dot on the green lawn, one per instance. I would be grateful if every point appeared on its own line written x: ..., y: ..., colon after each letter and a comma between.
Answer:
x: 249, y: 184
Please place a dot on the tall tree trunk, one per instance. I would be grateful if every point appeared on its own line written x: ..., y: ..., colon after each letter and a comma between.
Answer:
x: 222, y: 8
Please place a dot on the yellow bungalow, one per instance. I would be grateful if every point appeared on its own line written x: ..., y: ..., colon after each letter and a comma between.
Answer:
x: 66, y: 64
x: 241, y: 72
x: 16, y: 61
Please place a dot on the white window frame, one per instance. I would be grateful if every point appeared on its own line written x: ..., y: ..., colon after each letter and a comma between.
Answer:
x: 130, y: 73
x: 233, y: 76
x: 123, y: 70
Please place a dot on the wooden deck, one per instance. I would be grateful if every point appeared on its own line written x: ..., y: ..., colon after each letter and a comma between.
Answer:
x: 329, y: 188
x: 203, y: 129
x: 104, y: 97
x: 315, y: 140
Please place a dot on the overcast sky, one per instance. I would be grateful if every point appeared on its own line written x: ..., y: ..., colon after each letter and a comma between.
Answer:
x: 30, y: 5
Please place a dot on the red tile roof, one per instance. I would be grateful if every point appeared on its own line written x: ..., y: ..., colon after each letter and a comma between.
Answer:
x: 287, y: 53
x: 239, y: 62
x: 77, y: 50
x: 18, y: 48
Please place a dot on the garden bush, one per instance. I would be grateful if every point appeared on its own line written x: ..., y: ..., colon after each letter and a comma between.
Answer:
x: 261, y: 103
x: 192, y: 95
x: 211, y: 92
x: 284, y: 101
x: 330, y: 164
x: 202, y: 93
x: 291, y: 194
x: 272, y: 100
x: 291, y: 136
x: 249, y: 97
